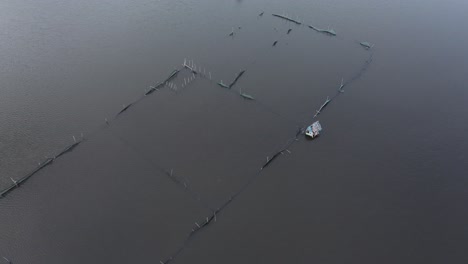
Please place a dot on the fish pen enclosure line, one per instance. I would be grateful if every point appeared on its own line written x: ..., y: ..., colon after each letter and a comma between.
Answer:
x: 169, y: 173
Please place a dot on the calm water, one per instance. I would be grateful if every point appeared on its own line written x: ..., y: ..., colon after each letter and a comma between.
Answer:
x: 386, y: 181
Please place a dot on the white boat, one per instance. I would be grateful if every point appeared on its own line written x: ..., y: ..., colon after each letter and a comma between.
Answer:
x: 313, y: 130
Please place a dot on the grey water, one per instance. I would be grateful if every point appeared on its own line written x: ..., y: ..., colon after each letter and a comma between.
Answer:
x: 386, y: 181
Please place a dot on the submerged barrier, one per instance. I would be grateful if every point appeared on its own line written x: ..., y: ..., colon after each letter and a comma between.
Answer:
x: 169, y: 173
x: 340, y: 89
x: 326, y: 31
x: 191, y: 66
x: 153, y: 89
x: 322, y: 107
x: 287, y: 18
x: 246, y: 96
x: 68, y: 149
x: 185, y: 186
x: 213, y: 216
x: 7, y: 260
x: 125, y: 108
x: 223, y: 85
x: 172, y: 76
x: 48, y: 161
x: 366, y: 45
x: 236, y: 79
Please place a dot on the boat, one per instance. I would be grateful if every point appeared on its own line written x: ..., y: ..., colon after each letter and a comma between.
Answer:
x: 313, y: 130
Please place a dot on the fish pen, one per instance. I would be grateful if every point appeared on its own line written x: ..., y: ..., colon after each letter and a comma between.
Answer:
x: 189, y: 74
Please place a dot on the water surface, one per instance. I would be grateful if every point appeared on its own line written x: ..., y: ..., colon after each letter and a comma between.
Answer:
x: 384, y: 183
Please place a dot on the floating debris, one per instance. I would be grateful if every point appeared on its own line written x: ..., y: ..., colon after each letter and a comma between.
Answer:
x: 289, y: 31
x: 237, y: 78
x: 17, y: 183
x: 287, y: 18
x: 68, y: 149
x: 261, y: 14
x: 232, y: 33
x: 7, y: 260
x: 314, y: 28
x: 223, y: 85
x: 274, y: 43
x: 329, y: 31
x: 125, y: 108
x: 246, y: 96
x: 153, y: 88
x: 314, y: 130
x: 326, y: 31
x: 340, y: 89
x: 268, y: 161
x: 366, y: 45
x: 208, y: 220
x: 322, y: 107
x: 191, y: 68
x: 299, y: 131
x: 173, y: 74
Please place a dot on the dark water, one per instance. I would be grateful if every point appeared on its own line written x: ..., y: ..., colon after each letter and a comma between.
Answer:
x: 386, y: 181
